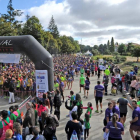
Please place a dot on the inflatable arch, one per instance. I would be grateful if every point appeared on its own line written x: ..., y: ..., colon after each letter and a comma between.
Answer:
x: 33, y: 49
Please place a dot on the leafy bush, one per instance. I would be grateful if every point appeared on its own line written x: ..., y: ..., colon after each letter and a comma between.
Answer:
x: 123, y: 58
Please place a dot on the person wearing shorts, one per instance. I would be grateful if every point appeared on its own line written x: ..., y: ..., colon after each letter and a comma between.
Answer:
x: 82, y: 82
x: 135, y: 123
x: 98, y: 94
x: 87, y: 83
x: 123, y: 103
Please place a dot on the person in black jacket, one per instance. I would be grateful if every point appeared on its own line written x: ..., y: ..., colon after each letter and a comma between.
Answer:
x: 57, y: 104
x: 73, y: 125
x: 11, y: 90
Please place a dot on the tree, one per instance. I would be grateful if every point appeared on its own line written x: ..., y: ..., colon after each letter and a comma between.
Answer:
x: 34, y: 28
x: 96, y: 47
x: 101, y: 48
x: 108, y: 45
x: 67, y: 46
x: 95, y: 52
x: 53, y: 28
x: 122, y: 49
x: 130, y: 47
x: 11, y: 17
x: 6, y: 28
x: 112, y: 48
x: 136, y: 52
x: 53, y: 46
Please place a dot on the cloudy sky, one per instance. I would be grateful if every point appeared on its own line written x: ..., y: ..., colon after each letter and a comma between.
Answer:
x: 92, y: 21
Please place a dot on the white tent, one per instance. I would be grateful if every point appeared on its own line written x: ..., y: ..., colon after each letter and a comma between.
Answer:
x: 88, y: 53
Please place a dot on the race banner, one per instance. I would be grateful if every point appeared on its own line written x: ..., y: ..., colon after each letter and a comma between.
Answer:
x: 9, y: 58
x: 41, y: 82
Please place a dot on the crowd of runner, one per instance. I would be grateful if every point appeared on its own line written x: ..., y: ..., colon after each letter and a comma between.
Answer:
x: 19, y: 80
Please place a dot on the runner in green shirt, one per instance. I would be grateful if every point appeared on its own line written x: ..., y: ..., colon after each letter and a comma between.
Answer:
x: 56, y: 85
x: 107, y: 72
x: 82, y: 71
x: 82, y: 82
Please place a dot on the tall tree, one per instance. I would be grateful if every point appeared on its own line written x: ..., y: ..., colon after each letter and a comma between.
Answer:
x: 122, y: 49
x: 34, y: 28
x: 108, y: 45
x: 101, y: 48
x: 11, y: 17
x: 53, y: 28
x: 95, y: 47
x: 6, y: 29
x: 112, y: 48
x: 136, y: 52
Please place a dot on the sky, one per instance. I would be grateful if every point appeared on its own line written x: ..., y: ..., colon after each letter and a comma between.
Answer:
x: 91, y: 22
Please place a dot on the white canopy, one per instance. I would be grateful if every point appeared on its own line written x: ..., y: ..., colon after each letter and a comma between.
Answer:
x: 88, y: 52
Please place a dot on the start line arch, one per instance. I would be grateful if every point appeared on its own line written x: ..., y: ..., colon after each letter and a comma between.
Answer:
x: 28, y: 45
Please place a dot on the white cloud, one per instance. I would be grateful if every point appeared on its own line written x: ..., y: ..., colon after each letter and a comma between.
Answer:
x: 95, y: 21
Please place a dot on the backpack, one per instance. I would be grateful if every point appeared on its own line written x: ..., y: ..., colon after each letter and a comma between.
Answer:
x: 58, y: 100
x: 8, y: 126
x: 74, y: 135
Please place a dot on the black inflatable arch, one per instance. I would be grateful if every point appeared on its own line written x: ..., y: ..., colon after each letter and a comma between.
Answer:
x: 33, y: 49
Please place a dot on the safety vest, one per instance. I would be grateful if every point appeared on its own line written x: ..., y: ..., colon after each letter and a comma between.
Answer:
x: 18, y: 83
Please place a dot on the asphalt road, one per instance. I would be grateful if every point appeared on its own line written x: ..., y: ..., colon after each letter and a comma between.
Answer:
x: 96, y: 120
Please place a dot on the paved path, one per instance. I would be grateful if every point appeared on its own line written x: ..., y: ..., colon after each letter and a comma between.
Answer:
x: 96, y: 120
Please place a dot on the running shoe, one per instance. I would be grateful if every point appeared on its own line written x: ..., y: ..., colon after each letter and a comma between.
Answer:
x: 96, y: 111
x: 101, y: 111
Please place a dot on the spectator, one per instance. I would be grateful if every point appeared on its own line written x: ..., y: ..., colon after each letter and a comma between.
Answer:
x: 14, y: 113
x: 17, y: 131
x: 9, y: 134
x: 73, y: 125
x: 72, y: 108
x: 50, y: 123
x: 41, y: 109
x: 57, y: 104
x: 133, y: 85
x: 127, y: 81
x: 36, y: 134
x: 4, y: 124
x: 29, y: 118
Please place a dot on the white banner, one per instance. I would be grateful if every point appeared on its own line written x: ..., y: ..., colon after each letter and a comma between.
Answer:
x: 41, y: 82
x: 9, y: 58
